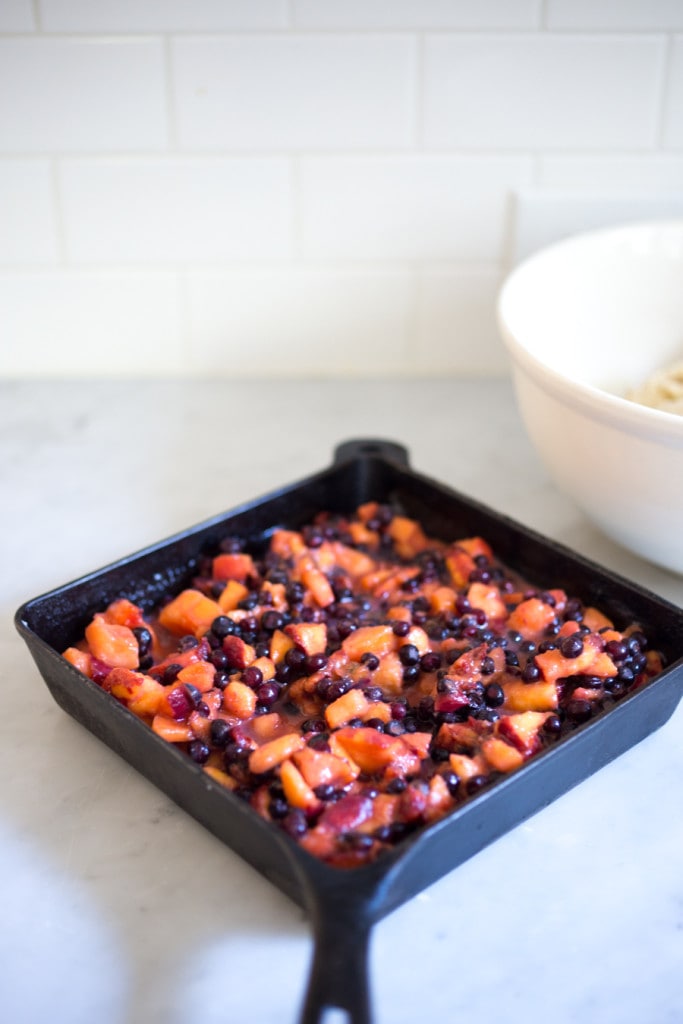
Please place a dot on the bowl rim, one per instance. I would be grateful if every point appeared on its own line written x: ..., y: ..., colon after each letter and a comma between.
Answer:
x: 634, y: 417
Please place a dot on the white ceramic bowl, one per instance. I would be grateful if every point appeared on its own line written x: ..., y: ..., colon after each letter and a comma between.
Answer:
x: 584, y: 321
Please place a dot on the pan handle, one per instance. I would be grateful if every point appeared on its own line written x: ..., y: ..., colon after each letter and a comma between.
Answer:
x: 338, y: 976
x: 373, y: 448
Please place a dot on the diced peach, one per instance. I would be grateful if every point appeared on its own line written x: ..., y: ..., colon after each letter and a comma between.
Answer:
x: 501, y: 755
x: 531, y: 617
x: 596, y: 620
x: 588, y: 693
x: 123, y: 612
x: 314, y: 581
x: 267, y: 727
x: 287, y: 543
x: 233, y: 567
x: 592, y: 660
x: 377, y: 709
x: 280, y: 643
x: 377, y: 640
x: 200, y: 674
x: 467, y: 767
x: 389, y: 675
x: 487, y: 598
x: 355, y: 562
x: 408, y: 536
x: 442, y: 600
x: 240, y: 654
x: 361, y: 535
x: 265, y: 666
x: 352, y: 704
x: 114, y: 645
x: 218, y: 775
x: 231, y: 595
x: 523, y: 730
x: 310, y: 637
x: 521, y: 696
x: 476, y: 547
x: 460, y: 565
x: 457, y: 737
x: 368, y: 510
x: 568, y: 627
x: 323, y: 768
x: 147, y: 700
x: 297, y: 791
x: 190, y: 612
x: 277, y: 593
x: 418, y: 742
x: 79, y: 659
x: 239, y: 699
x: 418, y: 638
x: 374, y: 751
x: 273, y: 753
x: 399, y: 611
x: 171, y: 730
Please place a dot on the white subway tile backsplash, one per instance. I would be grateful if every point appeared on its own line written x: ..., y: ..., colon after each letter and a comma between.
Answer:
x: 653, y: 174
x: 608, y: 14
x: 541, y: 91
x: 16, y: 16
x: 161, y: 15
x: 407, y: 207
x: 64, y: 95
x: 293, y: 92
x: 28, y: 227
x: 64, y: 323
x: 176, y: 210
x: 417, y: 14
x: 306, y: 322
x: 673, y: 124
x: 456, y: 326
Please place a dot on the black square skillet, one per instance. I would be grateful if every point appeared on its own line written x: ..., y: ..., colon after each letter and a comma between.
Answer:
x: 344, y: 904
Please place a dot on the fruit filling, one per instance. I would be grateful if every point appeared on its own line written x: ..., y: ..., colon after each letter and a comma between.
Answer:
x: 358, y: 679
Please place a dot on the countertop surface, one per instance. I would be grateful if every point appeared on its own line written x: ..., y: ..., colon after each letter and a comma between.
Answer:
x: 117, y: 907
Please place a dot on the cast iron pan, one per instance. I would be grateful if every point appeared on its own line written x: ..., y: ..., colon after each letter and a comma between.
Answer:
x: 344, y: 904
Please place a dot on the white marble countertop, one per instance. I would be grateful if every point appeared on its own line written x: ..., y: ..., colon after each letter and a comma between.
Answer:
x: 117, y: 907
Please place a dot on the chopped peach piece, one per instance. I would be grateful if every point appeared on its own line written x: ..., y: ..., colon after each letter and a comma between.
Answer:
x: 123, y: 612
x: 310, y: 637
x: 171, y: 730
x: 487, y: 598
x: 190, y: 612
x: 408, y: 536
x: 352, y: 704
x: 523, y: 729
x: 596, y: 620
x: 218, y: 775
x: 297, y: 791
x: 521, y: 696
x: 531, y: 617
x: 232, y: 594
x: 267, y: 727
x: 442, y: 600
x: 500, y: 755
x: 233, y: 567
x: 79, y: 659
x: 273, y: 753
x: 374, y: 751
x: 389, y: 675
x: 321, y: 768
x: 377, y: 640
x: 280, y: 643
x: 239, y: 699
x: 114, y: 645
x: 467, y: 767
x: 200, y: 674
